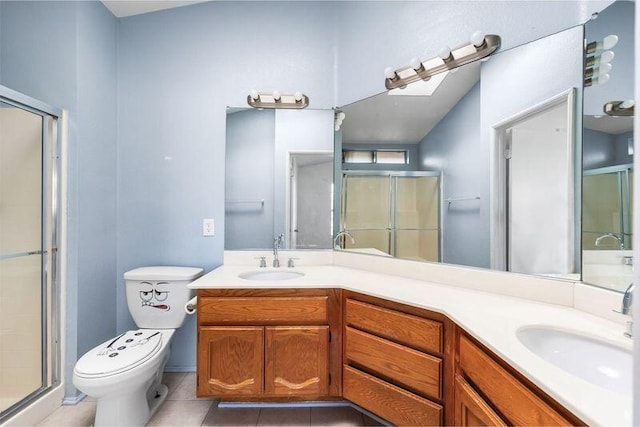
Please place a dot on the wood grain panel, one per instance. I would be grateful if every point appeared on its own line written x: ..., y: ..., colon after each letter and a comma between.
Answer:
x: 389, y: 402
x: 406, y: 329
x: 471, y: 409
x: 518, y: 405
x: 263, y: 310
x: 297, y: 360
x: 401, y: 365
x: 230, y: 361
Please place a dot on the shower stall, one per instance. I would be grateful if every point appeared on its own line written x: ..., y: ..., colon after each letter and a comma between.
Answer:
x: 29, y: 259
x: 394, y: 213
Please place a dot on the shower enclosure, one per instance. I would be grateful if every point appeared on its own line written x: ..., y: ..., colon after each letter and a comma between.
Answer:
x: 395, y: 213
x: 29, y: 273
x: 607, y: 208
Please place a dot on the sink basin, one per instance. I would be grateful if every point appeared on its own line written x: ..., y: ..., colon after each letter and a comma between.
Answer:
x: 595, y: 361
x: 270, y: 275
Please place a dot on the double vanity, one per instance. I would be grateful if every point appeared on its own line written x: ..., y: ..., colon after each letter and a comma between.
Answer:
x: 413, y: 343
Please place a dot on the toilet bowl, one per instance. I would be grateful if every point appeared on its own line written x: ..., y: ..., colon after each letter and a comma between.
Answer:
x: 124, y: 373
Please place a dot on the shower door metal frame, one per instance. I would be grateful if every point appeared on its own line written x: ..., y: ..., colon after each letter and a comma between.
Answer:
x: 50, y: 243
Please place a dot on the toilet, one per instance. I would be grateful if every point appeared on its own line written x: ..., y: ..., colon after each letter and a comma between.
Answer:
x: 124, y: 373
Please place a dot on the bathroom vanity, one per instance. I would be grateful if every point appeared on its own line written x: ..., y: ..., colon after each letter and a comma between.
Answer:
x: 409, y: 351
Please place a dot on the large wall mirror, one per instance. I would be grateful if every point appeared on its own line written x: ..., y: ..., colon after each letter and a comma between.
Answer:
x: 608, y: 151
x: 480, y: 169
x: 279, y: 179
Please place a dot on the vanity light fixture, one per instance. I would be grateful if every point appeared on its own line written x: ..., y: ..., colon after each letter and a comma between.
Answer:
x: 479, y: 47
x: 597, y: 68
x: 620, y: 108
x: 276, y: 99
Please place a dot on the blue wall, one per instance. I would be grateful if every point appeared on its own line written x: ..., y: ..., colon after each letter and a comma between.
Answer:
x: 64, y: 54
x: 453, y: 148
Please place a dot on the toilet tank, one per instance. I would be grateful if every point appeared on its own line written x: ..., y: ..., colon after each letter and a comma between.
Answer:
x: 156, y: 295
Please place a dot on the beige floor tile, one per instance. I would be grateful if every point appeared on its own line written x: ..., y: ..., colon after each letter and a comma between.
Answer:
x: 284, y: 417
x: 336, y: 416
x: 172, y: 380
x: 239, y: 417
x: 81, y: 414
x: 186, y: 389
x: 181, y: 413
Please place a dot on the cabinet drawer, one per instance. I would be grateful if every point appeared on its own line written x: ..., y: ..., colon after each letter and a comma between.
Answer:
x: 401, y: 365
x: 263, y: 310
x: 392, y: 403
x: 413, y: 331
x: 515, y: 401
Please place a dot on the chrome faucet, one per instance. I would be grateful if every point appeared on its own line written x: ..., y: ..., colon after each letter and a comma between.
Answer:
x: 627, y: 303
x: 612, y: 235
x: 277, y: 244
x: 336, y: 245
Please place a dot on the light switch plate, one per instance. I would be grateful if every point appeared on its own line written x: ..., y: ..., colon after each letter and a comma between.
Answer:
x: 208, y: 227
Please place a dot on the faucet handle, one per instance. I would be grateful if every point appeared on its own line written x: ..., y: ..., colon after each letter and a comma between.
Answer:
x: 290, y: 262
x: 263, y: 261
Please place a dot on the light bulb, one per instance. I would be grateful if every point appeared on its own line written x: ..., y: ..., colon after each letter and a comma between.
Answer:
x: 276, y: 95
x: 297, y: 96
x: 604, y: 68
x: 336, y: 128
x: 341, y: 115
x: 608, y: 42
x: 339, y: 122
x: 254, y: 95
x: 389, y: 73
x: 477, y: 38
x: 415, y: 64
x: 628, y: 103
x: 444, y: 52
x: 607, y: 56
x: 603, y: 78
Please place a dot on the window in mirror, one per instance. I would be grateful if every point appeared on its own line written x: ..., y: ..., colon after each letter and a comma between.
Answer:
x: 384, y: 157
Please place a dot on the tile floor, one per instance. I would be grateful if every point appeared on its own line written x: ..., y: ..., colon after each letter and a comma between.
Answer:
x: 182, y: 408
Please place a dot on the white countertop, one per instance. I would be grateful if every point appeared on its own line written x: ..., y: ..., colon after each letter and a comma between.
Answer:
x: 491, y: 318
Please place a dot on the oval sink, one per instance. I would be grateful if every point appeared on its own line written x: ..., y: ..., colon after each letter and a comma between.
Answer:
x: 270, y: 275
x: 595, y: 361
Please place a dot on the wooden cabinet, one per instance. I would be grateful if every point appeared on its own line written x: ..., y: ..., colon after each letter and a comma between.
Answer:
x: 499, y: 393
x: 269, y: 344
x: 397, y: 361
x: 407, y: 365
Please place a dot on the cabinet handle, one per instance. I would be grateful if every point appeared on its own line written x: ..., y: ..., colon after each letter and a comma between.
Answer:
x: 227, y: 386
x: 290, y: 385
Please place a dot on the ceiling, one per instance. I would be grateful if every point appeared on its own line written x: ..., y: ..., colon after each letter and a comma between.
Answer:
x: 122, y: 8
x: 384, y: 119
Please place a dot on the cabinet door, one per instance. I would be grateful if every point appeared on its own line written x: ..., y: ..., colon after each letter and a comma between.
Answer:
x: 296, y: 360
x: 471, y: 409
x: 230, y: 361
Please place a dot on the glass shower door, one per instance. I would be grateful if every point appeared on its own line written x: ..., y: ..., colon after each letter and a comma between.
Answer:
x: 417, y: 217
x: 26, y: 217
x: 366, y: 212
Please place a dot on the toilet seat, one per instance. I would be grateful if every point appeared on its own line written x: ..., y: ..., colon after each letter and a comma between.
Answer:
x: 120, y: 354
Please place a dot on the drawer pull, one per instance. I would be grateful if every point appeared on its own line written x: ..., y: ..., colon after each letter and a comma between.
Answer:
x: 236, y: 386
x: 293, y: 386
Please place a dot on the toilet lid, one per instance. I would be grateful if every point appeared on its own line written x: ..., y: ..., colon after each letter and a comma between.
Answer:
x: 120, y: 353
